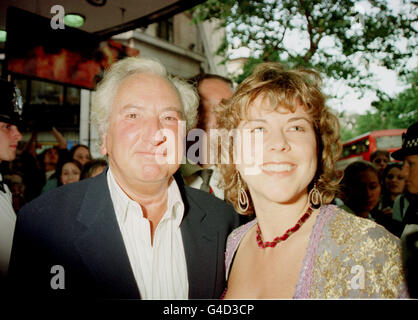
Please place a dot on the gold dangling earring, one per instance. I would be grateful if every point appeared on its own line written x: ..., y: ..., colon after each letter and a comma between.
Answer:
x: 315, y: 197
x: 243, y: 202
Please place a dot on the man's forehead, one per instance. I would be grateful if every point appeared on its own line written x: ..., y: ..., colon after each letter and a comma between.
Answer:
x: 149, y: 87
x: 207, y: 85
x: 412, y: 158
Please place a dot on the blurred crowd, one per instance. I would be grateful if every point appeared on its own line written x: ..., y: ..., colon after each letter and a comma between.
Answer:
x: 35, y: 171
x: 376, y: 190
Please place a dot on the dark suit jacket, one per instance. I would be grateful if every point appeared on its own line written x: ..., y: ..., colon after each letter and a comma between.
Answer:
x: 75, y: 227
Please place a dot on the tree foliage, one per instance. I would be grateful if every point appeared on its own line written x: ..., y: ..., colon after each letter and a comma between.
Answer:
x: 388, y: 113
x: 392, y: 113
x: 333, y: 37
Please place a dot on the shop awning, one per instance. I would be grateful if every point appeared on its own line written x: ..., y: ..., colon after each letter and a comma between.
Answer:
x: 105, y: 17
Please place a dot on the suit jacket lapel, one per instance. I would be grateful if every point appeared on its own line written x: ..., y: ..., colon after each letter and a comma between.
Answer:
x: 101, y: 244
x: 200, y: 243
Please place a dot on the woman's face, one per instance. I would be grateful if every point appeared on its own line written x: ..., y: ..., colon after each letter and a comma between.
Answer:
x: 97, y: 171
x: 365, y: 191
x: 395, y: 181
x: 286, y: 160
x: 70, y: 173
x: 82, y: 155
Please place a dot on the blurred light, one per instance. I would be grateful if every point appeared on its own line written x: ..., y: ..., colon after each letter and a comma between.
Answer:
x: 74, y: 20
x: 3, y: 35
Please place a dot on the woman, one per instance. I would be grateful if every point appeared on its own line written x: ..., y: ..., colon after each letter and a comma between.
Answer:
x: 93, y: 168
x: 69, y: 172
x: 393, y: 185
x: 81, y: 153
x: 361, y: 189
x: 298, y: 245
x: 362, y: 195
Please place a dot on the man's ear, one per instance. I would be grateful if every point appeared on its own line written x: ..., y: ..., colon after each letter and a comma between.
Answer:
x: 103, y: 149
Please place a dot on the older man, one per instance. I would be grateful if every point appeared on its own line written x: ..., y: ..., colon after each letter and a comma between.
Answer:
x: 10, y: 110
x: 133, y: 231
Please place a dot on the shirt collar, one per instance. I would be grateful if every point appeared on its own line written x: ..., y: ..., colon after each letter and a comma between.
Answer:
x: 187, y: 169
x: 121, y: 201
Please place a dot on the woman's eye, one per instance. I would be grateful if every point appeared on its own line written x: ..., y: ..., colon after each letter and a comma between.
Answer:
x: 257, y: 130
x: 297, y: 129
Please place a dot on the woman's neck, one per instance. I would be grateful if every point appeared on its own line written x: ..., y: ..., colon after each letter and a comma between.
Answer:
x: 275, y: 218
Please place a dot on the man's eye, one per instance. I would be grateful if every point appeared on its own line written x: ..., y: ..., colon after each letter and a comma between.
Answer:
x: 170, y: 118
x: 132, y: 116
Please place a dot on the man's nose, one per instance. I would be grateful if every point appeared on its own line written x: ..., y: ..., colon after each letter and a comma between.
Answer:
x: 154, y: 133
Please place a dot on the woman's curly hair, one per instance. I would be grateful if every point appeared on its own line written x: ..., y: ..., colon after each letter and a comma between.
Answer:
x: 283, y: 88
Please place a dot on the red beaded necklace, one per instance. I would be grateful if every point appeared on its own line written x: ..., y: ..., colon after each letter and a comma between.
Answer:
x: 286, y: 235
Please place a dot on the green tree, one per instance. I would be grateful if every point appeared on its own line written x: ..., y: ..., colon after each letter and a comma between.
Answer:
x: 392, y: 113
x: 333, y: 37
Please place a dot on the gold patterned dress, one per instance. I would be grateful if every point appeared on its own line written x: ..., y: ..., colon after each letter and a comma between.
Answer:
x: 347, y: 257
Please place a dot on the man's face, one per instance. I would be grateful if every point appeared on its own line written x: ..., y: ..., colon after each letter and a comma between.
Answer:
x: 211, y: 92
x: 381, y: 161
x: 410, y: 172
x: 145, y: 111
x: 51, y: 156
x: 9, y: 138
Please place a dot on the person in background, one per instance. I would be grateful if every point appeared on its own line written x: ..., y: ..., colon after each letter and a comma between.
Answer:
x: 409, y: 155
x: 93, y: 168
x: 69, y: 172
x: 10, y: 118
x: 81, y: 153
x: 298, y: 245
x: 393, y: 187
x: 16, y: 186
x: 380, y: 159
x: 49, y: 161
x: 134, y: 231
x: 361, y: 189
x: 200, y: 173
x: 50, y: 157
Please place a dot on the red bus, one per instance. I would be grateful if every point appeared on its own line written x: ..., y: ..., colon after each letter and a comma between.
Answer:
x: 361, y: 147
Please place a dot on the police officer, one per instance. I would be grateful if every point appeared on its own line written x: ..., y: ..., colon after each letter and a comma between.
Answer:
x: 409, y: 155
x: 10, y: 118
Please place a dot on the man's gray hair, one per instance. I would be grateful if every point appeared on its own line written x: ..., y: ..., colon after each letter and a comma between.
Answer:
x: 119, y: 71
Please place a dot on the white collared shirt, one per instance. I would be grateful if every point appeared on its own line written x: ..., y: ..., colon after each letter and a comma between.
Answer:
x: 160, y: 268
x: 7, y: 227
x: 195, y: 181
